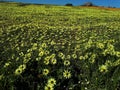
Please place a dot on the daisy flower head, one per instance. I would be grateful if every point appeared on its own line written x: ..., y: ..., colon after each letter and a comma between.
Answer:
x: 44, y: 45
x: 67, y: 74
x: 53, y: 55
x: 103, y: 68
x: 22, y: 66
x: 45, y: 72
x: 47, y: 52
x: 52, y: 42
x: 7, y: 64
x: 46, y: 62
x: 100, y: 45
x: 60, y: 54
x: 74, y: 56
x: 51, y: 81
x: 41, y: 53
x: 48, y: 87
x: 68, y: 57
x: 47, y: 58
x: 18, y: 71
x: 66, y: 62
x: 53, y: 61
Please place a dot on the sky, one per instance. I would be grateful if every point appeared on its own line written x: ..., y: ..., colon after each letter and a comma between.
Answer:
x: 113, y: 3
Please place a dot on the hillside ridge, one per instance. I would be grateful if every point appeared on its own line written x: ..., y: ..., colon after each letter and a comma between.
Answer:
x: 93, y: 7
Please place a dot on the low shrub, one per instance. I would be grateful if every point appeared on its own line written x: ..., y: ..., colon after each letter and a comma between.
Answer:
x: 49, y: 64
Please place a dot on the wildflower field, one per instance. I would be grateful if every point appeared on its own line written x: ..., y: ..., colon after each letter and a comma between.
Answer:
x: 48, y: 47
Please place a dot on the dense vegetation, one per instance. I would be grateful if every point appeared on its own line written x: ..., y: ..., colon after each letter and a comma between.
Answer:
x: 46, y: 47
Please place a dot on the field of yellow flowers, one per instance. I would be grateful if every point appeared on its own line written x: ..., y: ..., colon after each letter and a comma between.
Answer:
x: 48, y: 47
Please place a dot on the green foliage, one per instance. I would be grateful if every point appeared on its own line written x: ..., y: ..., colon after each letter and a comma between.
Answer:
x: 65, y: 48
x: 68, y: 4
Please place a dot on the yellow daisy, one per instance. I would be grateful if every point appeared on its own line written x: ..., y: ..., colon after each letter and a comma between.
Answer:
x: 66, y: 74
x: 45, y: 72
